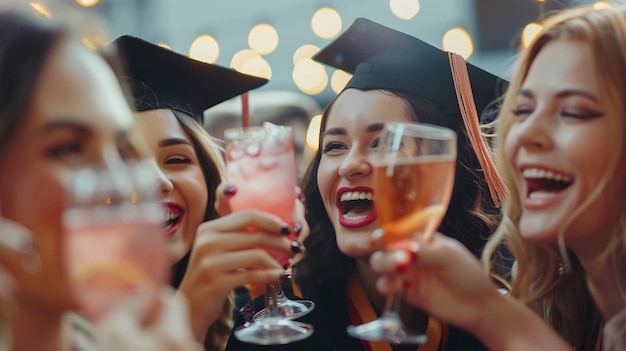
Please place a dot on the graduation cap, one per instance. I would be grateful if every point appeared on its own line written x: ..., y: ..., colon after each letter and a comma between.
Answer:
x: 382, y: 58
x: 161, y: 78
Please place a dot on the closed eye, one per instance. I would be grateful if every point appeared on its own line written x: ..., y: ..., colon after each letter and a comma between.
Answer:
x: 334, y: 148
x: 178, y: 160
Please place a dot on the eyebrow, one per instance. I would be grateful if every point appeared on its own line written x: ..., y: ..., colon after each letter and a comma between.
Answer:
x: 562, y: 94
x: 374, y: 127
x: 174, y: 141
x: 53, y: 126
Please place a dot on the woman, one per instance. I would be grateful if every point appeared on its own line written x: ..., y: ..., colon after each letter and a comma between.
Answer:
x: 211, y: 255
x: 393, y: 79
x: 61, y: 110
x: 564, y: 220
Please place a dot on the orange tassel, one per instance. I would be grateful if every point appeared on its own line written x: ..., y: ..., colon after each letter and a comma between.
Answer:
x: 497, y: 188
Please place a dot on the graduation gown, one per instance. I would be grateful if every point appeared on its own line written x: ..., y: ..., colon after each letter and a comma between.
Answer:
x: 335, y: 310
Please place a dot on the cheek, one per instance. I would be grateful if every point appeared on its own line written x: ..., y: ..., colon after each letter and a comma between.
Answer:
x: 326, y: 174
x: 194, y: 190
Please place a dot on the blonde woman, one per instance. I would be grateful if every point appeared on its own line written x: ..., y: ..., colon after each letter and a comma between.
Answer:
x: 561, y: 150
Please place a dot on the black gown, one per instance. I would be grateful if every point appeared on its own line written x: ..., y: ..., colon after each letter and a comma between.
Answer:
x: 330, y: 319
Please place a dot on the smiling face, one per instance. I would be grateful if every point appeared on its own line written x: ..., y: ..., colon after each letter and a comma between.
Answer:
x: 182, y: 181
x: 78, y: 117
x: 560, y: 147
x: 352, y: 131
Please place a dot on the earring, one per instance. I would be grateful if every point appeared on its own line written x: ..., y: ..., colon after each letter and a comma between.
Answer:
x: 564, y: 269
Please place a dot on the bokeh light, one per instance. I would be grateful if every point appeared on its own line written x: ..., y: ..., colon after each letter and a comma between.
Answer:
x: 310, y: 77
x: 241, y: 56
x: 305, y: 52
x: 601, y: 5
x: 529, y: 33
x: 263, y: 38
x: 326, y: 23
x: 164, y: 45
x: 205, y: 48
x: 404, y: 9
x: 257, y: 66
x: 87, y: 3
x: 339, y: 80
x: 313, y: 133
x: 40, y: 9
x: 459, y: 41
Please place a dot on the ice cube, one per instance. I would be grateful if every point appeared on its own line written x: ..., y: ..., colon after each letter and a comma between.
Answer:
x: 253, y: 149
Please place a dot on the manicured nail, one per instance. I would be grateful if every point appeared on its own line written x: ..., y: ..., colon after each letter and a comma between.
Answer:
x: 230, y: 190
x: 297, y: 228
x: 413, y: 252
x: 402, y: 267
x: 296, y: 247
x: 284, y: 230
x: 284, y: 275
x: 406, y: 285
x: 298, y: 193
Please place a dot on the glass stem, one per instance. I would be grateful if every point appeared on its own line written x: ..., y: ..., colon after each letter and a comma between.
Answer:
x: 271, y: 300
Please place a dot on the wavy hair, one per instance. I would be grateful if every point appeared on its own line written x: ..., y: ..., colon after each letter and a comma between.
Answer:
x: 563, y: 299
x: 209, y: 154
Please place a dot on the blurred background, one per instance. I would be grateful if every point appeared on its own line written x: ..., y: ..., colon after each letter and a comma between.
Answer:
x: 276, y: 38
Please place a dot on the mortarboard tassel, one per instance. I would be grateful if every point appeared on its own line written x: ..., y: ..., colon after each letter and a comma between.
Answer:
x: 464, y: 95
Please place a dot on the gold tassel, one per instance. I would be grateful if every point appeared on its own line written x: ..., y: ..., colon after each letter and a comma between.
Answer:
x: 497, y: 188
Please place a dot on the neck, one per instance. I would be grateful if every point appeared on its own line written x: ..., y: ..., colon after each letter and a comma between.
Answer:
x: 413, y: 318
x: 34, y: 329
x: 607, y: 285
x: 368, y: 278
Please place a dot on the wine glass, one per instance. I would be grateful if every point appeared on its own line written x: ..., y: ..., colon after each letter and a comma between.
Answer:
x: 113, y: 242
x: 260, y: 162
x: 413, y: 177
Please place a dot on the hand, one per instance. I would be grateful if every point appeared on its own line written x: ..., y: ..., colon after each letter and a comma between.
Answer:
x: 154, y: 321
x: 444, y: 278
x: 226, y: 255
x: 440, y: 275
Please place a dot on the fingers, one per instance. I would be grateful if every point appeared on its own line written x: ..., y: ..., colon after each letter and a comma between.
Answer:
x: 232, y: 261
x: 222, y: 193
x: 244, y: 220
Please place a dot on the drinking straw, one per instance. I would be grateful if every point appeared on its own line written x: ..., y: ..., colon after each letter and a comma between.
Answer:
x: 245, y: 111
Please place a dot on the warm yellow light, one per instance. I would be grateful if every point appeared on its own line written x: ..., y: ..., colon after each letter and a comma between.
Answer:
x: 305, y: 52
x: 326, y: 23
x: 601, y: 5
x: 257, y: 66
x: 404, y: 9
x: 241, y: 56
x: 529, y: 33
x: 459, y: 41
x: 205, y: 48
x: 339, y: 80
x: 164, y: 45
x: 313, y: 133
x: 310, y: 77
x: 87, y: 3
x: 40, y: 9
x: 263, y: 38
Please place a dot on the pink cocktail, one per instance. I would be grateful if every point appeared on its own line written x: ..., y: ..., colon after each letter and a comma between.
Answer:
x: 260, y: 162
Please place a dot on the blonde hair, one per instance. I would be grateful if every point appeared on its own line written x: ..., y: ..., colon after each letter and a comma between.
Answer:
x: 563, y: 300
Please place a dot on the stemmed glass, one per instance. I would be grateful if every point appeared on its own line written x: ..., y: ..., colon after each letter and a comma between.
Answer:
x: 260, y: 162
x: 413, y: 177
x: 113, y: 240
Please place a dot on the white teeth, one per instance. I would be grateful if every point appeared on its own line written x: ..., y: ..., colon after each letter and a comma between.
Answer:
x: 545, y: 174
x: 170, y: 215
x: 540, y: 195
x: 356, y: 195
x: 353, y: 218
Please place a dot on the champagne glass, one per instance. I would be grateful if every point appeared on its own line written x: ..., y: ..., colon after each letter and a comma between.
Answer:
x: 113, y: 241
x: 260, y: 162
x: 413, y: 177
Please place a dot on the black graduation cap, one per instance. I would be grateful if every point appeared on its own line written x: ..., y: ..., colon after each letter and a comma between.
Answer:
x: 161, y: 78
x: 382, y: 58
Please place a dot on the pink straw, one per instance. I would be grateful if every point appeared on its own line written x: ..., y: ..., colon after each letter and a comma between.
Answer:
x: 245, y: 111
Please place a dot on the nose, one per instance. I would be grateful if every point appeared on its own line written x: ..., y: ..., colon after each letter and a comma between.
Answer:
x: 164, y: 184
x: 534, y: 133
x: 356, y: 165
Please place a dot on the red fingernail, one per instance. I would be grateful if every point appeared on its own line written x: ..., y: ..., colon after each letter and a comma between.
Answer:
x: 406, y: 285
x: 230, y: 190
x: 412, y: 255
x: 402, y: 267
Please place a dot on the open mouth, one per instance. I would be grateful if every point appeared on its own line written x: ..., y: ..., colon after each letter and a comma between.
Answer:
x: 172, y: 217
x: 356, y: 207
x: 542, y: 184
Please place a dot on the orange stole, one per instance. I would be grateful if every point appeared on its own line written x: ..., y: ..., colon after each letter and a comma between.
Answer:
x: 361, y: 311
